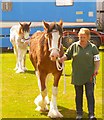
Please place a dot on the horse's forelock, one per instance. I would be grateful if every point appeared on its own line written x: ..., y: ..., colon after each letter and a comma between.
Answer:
x: 25, y: 27
x: 59, y: 28
x: 54, y: 26
x: 50, y: 28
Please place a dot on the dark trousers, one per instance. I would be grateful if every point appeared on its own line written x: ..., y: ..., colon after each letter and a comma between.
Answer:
x: 89, y: 90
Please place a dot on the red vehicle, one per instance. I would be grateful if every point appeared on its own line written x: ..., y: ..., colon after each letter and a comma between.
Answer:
x: 71, y: 36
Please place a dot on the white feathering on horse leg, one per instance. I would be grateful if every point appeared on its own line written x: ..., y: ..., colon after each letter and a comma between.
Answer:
x: 47, y: 100
x: 41, y: 104
x: 20, y: 70
x: 45, y: 97
x: 41, y: 101
x: 39, y: 85
x: 16, y: 68
x: 24, y: 68
x: 53, y: 112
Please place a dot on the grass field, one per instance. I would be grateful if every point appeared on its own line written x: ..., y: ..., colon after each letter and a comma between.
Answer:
x: 20, y: 90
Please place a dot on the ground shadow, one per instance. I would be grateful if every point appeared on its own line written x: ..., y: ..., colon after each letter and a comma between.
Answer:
x: 68, y: 114
x: 30, y: 71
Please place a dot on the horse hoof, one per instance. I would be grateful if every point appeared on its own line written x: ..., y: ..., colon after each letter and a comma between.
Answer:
x: 38, y: 108
x: 54, y: 114
x: 42, y: 110
x: 16, y: 68
x: 20, y: 71
x: 24, y: 68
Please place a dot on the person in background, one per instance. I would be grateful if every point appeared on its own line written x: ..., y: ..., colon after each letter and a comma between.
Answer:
x: 85, y: 66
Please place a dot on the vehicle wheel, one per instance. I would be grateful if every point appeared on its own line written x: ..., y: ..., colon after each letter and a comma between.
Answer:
x: 68, y: 40
x: 96, y: 40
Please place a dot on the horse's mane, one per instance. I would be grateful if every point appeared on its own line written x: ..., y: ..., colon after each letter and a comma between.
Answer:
x: 36, y: 36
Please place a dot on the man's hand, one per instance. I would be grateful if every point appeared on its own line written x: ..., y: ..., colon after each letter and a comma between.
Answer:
x: 62, y: 59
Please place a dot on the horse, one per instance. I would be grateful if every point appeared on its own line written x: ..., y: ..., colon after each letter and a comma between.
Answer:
x: 19, y: 37
x: 45, y: 49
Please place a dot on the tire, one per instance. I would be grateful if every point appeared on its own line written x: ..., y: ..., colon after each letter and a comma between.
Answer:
x: 68, y: 40
x: 96, y: 40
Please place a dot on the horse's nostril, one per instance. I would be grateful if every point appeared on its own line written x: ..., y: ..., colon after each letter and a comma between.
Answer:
x: 52, y: 56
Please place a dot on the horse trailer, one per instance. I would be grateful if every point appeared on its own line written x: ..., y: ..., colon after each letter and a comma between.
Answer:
x: 74, y: 13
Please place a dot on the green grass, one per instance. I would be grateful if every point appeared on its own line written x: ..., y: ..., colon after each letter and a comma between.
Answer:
x: 20, y: 90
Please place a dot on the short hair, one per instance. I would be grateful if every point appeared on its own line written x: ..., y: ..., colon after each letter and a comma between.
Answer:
x: 84, y: 31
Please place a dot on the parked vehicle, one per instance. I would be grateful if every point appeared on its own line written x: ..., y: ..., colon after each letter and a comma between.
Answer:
x: 69, y: 37
x: 74, y: 13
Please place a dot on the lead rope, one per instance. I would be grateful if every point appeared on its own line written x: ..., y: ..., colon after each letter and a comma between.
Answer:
x: 62, y: 68
x: 59, y: 67
x: 64, y: 80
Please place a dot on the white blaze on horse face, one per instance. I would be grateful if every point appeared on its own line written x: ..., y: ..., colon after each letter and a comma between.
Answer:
x: 55, y: 38
x: 26, y: 35
x: 55, y: 53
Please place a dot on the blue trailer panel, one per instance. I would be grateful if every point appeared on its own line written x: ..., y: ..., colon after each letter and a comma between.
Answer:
x: 83, y: 12
x: 38, y: 11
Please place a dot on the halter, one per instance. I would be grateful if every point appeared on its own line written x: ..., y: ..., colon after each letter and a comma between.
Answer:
x: 59, y: 67
x: 25, y: 40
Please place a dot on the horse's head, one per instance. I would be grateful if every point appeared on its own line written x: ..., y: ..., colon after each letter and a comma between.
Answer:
x: 25, y: 30
x: 54, y: 34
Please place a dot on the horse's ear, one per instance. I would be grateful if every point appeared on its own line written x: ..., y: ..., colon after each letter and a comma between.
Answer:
x: 29, y: 24
x: 20, y: 24
x: 60, y: 23
x: 45, y: 25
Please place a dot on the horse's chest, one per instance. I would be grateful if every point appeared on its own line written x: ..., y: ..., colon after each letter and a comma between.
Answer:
x: 21, y: 44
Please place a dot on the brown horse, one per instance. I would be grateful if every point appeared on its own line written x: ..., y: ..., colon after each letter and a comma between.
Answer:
x: 45, y: 49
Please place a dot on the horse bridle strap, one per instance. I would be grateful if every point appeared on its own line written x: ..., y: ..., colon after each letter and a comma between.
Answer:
x: 26, y: 39
x: 23, y: 40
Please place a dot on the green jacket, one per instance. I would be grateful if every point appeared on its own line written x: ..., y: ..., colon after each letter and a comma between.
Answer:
x: 82, y: 63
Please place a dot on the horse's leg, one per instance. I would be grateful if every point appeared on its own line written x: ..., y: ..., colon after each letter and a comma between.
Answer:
x: 42, y: 100
x: 16, y: 53
x: 12, y: 40
x: 53, y: 112
x: 20, y: 56
x: 24, y: 60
